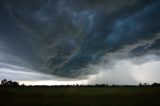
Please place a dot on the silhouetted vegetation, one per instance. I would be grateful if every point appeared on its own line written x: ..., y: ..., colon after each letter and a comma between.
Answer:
x: 155, y: 84
x: 5, y: 83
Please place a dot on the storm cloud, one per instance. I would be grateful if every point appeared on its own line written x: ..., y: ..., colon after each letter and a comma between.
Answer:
x: 71, y: 38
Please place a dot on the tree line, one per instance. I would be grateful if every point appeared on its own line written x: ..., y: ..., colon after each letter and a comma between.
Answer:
x: 9, y: 83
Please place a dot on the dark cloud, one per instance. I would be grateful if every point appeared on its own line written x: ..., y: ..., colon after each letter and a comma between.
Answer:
x: 64, y: 37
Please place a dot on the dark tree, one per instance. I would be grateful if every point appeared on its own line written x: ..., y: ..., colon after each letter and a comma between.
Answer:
x: 155, y: 84
x: 4, y: 82
x: 9, y: 83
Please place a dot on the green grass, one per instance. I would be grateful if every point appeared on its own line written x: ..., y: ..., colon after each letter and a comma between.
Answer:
x: 75, y: 96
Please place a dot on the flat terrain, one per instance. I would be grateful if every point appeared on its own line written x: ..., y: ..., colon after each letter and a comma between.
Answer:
x: 77, y: 96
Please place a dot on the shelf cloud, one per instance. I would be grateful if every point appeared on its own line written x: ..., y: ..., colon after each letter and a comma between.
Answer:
x: 80, y: 38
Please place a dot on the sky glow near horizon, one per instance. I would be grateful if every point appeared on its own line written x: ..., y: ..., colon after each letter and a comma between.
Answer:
x: 61, y: 42
x: 123, y: 72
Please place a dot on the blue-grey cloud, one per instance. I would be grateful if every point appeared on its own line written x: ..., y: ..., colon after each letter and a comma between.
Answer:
x: 65, y: 37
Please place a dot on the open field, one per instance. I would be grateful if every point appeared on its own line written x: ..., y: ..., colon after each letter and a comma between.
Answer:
x: 77, y: 96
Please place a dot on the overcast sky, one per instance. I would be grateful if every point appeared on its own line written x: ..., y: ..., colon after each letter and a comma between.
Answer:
x: 80, y: 41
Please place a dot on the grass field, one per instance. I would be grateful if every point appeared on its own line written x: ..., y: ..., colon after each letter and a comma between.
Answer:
x: 76, y: 96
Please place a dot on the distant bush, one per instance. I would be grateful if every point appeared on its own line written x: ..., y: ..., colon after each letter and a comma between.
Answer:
x: 9, y: 83
x: 155, y: 84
